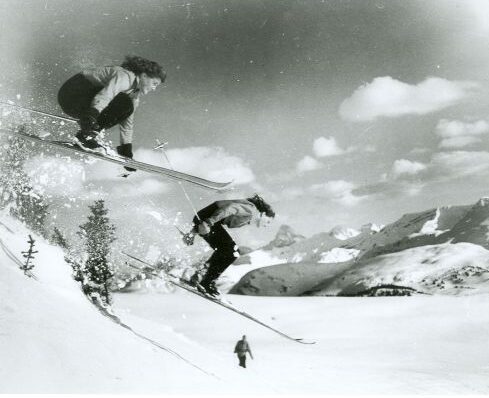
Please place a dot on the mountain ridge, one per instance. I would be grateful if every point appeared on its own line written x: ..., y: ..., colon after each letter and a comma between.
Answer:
x: 433, y: 236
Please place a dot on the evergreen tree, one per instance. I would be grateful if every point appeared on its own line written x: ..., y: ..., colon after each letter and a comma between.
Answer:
x: 98, y: 233
x: 16, y: 190
x: 58, y: 239
x: 29, y: 255
x: 12, y: 176
x: 30, y: 208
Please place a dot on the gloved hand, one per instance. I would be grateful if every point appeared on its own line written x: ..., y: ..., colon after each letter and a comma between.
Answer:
x: 188, y: 238
x: 88, y: 121
x: 126, y: 151
x: 203, y: 228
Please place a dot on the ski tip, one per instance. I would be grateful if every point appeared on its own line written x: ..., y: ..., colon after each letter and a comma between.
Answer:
x: 302, y: 341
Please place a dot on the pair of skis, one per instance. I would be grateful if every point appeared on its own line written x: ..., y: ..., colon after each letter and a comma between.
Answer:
x: 150, y: 168
x: 151, y: 270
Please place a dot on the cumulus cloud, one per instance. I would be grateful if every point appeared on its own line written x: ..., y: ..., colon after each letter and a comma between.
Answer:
x: 458, y: 164
x: 459, y: 142
x: 458, y: 134
x: 147, y: 186
x: 455, y: 128
x: 308, y: 163
x: 339, y: 191
x: 388, y: 97
x: 290, y: 193
x: 212, y: 163
x: 326, y: 146
x: 68, y: 177
x: 406, y: 167
x: 443, y: 167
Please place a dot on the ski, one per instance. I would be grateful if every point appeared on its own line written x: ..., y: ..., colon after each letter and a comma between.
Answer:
x: 149, y: 269
x: 176, y: 175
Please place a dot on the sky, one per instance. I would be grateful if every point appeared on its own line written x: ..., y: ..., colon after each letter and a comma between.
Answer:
x: 337, y: 112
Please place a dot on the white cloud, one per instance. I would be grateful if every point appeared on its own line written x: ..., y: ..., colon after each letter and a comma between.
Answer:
x: 326, y: 146
x: 291, y: 193
x: 458, y: 164
x: 480, y: 12
x: 212, y: 163
x: 147, y: 186
x: 406, y: 167
x: 339, y: 191
x: 388, y: 97
x: 455, y: 128
x: 419, y: 151
x: 458, y: 134
x: 459, y: 142
x: 308, y: 163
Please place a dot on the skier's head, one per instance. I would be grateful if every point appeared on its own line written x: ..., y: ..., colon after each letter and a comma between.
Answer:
x: 150, y: 73
x: 262, y: 206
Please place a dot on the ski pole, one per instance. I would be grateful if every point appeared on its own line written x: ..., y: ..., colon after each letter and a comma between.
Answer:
x: 66, y: 119
x: 162, y: 147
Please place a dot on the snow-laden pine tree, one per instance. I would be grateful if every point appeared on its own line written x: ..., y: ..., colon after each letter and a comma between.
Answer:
x: 96, y: 272
x: 16, y: 191
x: 58, y: 239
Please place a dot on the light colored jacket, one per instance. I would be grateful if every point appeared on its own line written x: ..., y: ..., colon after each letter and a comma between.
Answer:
x: 115, y: 80
x: 233, y: 213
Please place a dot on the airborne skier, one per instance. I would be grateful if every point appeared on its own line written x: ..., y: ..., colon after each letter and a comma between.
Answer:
x: 103, y: 97
x: 209, y: 222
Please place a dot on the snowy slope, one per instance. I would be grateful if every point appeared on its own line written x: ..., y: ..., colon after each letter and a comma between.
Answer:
x: 473, y: 227
x: 461, y: 268
x: 52, y: 340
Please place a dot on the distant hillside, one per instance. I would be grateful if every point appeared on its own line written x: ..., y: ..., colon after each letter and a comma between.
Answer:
x: 399, y: 258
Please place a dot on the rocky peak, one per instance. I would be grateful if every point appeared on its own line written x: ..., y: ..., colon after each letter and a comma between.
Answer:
x: 286, y: 236
x: 342, y: 232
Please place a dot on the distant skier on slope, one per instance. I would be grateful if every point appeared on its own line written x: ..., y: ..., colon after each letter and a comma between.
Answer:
x: 209, y: 225
x: 241, y: 348
x: 103, y: 97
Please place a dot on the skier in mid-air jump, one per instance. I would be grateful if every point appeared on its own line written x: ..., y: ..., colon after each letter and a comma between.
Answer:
x: 100, y: 98
x: 209, y: 224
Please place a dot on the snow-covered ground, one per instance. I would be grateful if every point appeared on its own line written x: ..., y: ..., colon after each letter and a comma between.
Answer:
x: 258, y: 259
x: 402, y: 345
x: 52, y: 340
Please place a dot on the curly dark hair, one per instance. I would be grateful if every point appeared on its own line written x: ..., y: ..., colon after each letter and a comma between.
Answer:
x: 261, y: 205
x: 139, y: 65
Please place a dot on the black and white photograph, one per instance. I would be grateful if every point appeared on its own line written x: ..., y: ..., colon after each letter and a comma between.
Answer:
x: 244, y: 197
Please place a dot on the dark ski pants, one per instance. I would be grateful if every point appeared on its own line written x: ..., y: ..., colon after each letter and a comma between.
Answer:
x: 223, y: 256
x: 76, y: 95
x: 242, y: 360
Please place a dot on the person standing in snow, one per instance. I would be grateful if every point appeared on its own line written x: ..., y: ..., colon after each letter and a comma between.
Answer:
x: 100, y: 98
x: 242, y: 347
x: 209, y: 224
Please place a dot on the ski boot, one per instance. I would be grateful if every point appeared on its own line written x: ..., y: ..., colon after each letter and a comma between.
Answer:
x: 88, y: 141
x: 209, y: 289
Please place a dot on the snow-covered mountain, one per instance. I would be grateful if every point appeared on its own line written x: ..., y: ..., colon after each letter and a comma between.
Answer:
x: 399, y: 256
